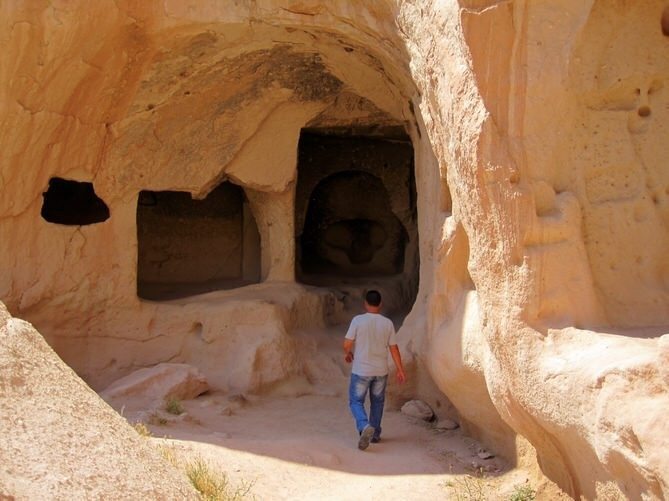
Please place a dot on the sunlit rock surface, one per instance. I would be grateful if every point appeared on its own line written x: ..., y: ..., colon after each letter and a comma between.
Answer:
x: 60, y: 441
x: 540, y: 307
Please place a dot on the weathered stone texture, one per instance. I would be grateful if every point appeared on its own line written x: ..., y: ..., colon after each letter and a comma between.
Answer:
x: 539, y: 137
x: 551, y: 249
x: 60, y: 441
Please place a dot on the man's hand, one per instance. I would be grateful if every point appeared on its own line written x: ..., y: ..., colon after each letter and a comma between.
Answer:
x: 348, y: 350
x: 397, y: 358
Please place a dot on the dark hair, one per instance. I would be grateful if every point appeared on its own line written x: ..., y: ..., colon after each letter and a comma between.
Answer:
x: 373, y: 298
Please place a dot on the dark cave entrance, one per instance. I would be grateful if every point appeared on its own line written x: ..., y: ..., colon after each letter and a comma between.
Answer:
x: 355, y: 214
x: 350, y: 229
x: 188, y: 247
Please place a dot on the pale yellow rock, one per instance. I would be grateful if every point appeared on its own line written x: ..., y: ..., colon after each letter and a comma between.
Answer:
x: 574, y: 264
x: 159, y: 383
x: 539, y: 132
x: 60, y: 440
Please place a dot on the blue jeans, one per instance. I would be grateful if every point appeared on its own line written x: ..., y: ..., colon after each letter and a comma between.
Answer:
x: 357, y: 392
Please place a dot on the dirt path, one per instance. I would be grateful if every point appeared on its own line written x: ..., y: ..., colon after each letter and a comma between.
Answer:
x: 306, y: 448
x: 298, y: 442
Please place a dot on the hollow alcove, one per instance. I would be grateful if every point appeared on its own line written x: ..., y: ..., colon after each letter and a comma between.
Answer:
x: 73, y: 203
x: 355, y: 207
x: 188, y: 247
x: 350, y: 228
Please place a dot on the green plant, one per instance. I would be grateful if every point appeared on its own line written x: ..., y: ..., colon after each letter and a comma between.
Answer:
x: 173, y: 406
x: 522, y: 492
x: 214, y: 486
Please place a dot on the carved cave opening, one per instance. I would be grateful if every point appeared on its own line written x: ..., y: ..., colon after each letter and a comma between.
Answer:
x: 187, y: 247
x: 73, y: 203
x: 350, y: 228
x: 356, y: 208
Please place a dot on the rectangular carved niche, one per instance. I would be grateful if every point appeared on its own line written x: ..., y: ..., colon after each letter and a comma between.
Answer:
x: 188, y: 247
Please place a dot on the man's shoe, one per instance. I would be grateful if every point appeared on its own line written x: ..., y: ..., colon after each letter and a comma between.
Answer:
x: 365, y: 437
x: 375, y: 440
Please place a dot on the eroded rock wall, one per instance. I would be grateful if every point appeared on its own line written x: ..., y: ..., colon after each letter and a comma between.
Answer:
x: 60, y: 440
x: 538, y: 131
x: 559, y: 193
x: 159, y: 98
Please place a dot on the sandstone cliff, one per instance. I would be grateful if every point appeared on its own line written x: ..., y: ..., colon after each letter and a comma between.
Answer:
x: 540, y: 217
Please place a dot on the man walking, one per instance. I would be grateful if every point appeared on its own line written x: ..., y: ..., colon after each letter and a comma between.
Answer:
x: 365, y: 344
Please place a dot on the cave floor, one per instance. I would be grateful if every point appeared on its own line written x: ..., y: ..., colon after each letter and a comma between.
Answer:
x: 298, y: 442
x: 306, y: 448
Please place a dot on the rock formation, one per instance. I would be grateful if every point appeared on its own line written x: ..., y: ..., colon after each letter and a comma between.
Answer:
x: 498, y: 168
x: 60, y: 441
x: 159, y: 383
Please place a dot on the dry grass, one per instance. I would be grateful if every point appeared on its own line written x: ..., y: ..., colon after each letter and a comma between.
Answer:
x: 467, y: 488
x: 156, y: 419
x: 142, y: 429
x: 169, y: 453
x: 212, y: 485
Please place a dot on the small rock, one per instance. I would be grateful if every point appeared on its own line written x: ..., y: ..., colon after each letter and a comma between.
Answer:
x: 418, y: 409
x: 484, y: 454
x: 227, y: 411
x: 239, y: 399
x: 446, y: 424
x: 179, y: 381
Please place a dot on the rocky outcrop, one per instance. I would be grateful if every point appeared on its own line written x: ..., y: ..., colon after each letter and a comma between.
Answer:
x: 553, y: 163
x: 541, y: 195
x: 60, y: 440
x: 159, y: 383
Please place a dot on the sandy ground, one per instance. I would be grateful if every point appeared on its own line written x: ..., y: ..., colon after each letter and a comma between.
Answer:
x: 306, y: 449
x: 299, y: 442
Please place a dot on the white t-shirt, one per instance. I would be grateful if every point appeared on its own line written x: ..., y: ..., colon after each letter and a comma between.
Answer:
x: 372, y: 333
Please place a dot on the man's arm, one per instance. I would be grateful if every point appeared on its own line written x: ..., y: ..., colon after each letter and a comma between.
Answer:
x: 348, y: 350
x: 397, y: 358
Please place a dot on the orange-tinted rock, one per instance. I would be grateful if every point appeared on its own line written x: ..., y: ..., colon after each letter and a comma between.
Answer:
x: 541, y: 192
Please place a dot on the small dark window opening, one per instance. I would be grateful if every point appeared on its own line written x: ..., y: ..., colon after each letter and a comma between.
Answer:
x: 73, y: 203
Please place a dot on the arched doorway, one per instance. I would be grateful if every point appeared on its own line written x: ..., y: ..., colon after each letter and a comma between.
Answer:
x: 350, y: 229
